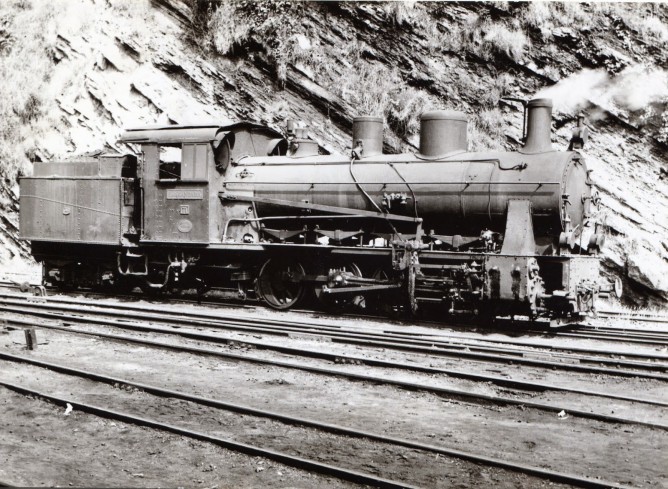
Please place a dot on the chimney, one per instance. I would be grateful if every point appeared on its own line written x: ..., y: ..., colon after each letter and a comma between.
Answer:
x: 539, y: 127
x: 369, y: 131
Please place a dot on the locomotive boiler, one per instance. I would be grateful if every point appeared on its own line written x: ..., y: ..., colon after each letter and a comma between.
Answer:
x: 243, y: 207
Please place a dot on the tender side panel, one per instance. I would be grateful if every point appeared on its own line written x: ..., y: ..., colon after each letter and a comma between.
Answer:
x: 71, y: 209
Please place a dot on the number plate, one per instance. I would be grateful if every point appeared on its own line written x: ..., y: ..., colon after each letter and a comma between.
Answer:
x: 185, y: 194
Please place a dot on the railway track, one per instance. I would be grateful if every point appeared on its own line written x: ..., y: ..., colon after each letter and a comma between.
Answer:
x: 624, y: 334
x: 612, y: 334
x: 441, y: 345
x: 299, y: 462
x: 659, y: 363
x: 635, y: 316
x: 337, y: 357
x: 414, y: 386
x: 67, y: 317
x: 278, y: 456
x: 236, y: 304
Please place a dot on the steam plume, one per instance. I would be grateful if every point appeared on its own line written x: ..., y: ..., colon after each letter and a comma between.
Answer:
x: 635, y: 88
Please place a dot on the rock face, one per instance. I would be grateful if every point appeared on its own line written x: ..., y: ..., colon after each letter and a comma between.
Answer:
x: 97, y: 67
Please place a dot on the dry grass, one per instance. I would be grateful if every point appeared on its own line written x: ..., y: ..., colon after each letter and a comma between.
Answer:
x: 135, y: 9
x: 546, y: 16
x: 278, y: 112
x: 491, y: 122
x: 237, y: 26
x: 367, y: 87
x: 25, y: 70
x: 491, y: 40
x: 641, y: 17
x: 486, y: 131
x: 500, y: 88
x: 30, y: 83
x: 499, y: 39
x: 407, y: 13
x: 228, y: 27
x: 405, y: 111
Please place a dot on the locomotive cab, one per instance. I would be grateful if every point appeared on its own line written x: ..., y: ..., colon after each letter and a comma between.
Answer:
x: 181, y: 168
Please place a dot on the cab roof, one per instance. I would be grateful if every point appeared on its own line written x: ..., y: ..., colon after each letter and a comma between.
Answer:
x: 205, y: 133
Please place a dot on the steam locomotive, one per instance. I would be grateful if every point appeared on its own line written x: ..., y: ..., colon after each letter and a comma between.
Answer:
x: 246, y: 208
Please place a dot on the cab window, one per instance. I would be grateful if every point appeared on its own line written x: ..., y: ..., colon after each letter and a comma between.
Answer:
x: 170, y: 161
x: 183, y: 162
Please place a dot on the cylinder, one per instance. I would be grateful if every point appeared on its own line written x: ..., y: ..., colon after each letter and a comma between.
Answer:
x: 369, y: 131
x: 442, y: 132
x: 539, y: 126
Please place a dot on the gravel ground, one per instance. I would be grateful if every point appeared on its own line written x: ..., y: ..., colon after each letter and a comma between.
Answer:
x: 624, y: 453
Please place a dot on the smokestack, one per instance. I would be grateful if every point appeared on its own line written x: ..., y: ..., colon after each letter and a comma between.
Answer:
x: 539, y: 126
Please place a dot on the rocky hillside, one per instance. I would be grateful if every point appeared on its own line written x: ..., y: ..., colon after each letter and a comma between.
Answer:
x: 73, y: 73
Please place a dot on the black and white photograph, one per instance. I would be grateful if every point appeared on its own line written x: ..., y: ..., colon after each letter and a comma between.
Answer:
x: 302, y: 244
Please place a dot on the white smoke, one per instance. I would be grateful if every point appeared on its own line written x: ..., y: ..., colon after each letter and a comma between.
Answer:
x: 635, y: 88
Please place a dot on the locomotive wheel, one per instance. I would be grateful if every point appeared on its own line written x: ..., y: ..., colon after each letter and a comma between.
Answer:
x: 337, y: 301
x: 278, y: 283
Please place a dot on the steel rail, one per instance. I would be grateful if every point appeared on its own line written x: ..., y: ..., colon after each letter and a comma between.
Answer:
x: 415, y: 346
x: 333, y: 357
x: 641, y: 317
x: 332, y: 428
x: 612, y: 312
x: 444, y: 391
x: 469, y: 352
x: 216, y: 303
x: 533, y: 344
x: 287, y: 324
x: 282, y: 323
x: 351, y: 183
x: 616, y: 337
x: 623, y: 332
x: 281, y: 457
x: 449, y: 349
x: 646, y: 329
x: 139, y: 308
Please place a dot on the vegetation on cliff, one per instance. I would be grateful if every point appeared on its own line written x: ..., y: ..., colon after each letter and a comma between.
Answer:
x: 74, y: 72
